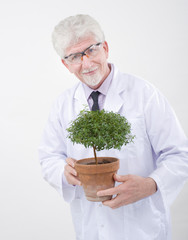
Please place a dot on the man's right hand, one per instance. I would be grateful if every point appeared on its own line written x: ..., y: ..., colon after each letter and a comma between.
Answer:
x: 70, y: 172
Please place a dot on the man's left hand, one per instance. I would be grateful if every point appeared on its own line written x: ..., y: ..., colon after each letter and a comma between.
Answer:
x: 132, y: 189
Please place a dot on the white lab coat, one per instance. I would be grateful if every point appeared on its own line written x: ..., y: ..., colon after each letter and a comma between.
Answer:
x: 160, y: 150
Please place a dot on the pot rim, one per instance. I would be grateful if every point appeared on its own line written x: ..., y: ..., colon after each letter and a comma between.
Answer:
x: 100, y: 168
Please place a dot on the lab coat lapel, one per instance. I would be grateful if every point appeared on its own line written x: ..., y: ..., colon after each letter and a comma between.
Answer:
x: 80, y: 98
x: 114, y: 100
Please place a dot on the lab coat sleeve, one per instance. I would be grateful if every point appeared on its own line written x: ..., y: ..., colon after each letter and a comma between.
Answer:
x: 170, y: 147
x: 52, y: 155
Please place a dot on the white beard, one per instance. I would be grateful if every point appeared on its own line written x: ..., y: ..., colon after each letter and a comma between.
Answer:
x: 92, y: 80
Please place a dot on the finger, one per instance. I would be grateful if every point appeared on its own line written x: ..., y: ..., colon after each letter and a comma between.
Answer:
x: 74, y: 181
x: 71, y: 179
x: 71, y: 161
x: 110, y: 191
x: 121, y: 178
x: 113, y: 203
x: 70, y: 170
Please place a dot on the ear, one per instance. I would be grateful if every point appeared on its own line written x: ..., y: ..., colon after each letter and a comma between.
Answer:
x: 66, y: 65
x: 106, y: 49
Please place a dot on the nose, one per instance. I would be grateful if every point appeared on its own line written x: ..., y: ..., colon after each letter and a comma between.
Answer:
x: 86, y: 62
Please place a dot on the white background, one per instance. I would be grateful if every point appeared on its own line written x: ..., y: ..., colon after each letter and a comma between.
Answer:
x: 146, y: 37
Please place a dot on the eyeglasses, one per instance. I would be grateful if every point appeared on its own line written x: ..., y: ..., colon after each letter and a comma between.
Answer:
x: 90, y: 52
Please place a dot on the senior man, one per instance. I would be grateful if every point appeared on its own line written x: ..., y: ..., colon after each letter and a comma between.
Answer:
x: 152, y: 169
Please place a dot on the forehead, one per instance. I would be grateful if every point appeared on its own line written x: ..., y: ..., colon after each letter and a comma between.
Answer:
x: 80, y: 46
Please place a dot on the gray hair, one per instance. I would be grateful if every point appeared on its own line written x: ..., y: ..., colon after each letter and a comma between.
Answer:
x: 73, y: 29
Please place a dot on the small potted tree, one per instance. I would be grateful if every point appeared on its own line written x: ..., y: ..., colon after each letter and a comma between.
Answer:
x: 99, y: 130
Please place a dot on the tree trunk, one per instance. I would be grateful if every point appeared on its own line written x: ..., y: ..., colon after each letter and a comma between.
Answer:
x: 94, y: 150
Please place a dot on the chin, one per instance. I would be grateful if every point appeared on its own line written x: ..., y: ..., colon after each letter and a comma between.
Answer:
x: 93, y: 81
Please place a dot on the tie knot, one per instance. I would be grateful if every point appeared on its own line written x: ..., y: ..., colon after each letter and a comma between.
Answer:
x: 95, y: 96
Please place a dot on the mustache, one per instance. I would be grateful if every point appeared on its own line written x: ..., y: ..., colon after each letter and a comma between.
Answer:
x: 89, y: 70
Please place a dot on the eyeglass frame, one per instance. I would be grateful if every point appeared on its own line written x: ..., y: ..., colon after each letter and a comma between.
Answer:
x: 82, y: 53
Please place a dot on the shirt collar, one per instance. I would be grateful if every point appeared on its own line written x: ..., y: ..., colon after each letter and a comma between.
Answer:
x: 104, y: 86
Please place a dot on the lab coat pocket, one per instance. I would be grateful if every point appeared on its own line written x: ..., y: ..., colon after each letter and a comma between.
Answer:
x: 139, y: 152
x: 144, y: 221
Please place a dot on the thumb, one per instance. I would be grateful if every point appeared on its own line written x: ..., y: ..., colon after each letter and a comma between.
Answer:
x: 120, y: 178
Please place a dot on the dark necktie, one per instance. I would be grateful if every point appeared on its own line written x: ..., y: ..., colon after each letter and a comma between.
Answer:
x: 95, y: 96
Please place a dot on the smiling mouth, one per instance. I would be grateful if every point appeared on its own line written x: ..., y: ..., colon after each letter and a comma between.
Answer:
x: 89, y: 71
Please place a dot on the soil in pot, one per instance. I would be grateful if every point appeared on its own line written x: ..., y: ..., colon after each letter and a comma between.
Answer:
x: 97, y: 177
x: 103, y: 161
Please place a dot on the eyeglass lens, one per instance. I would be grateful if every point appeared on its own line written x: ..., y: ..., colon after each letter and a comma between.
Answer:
x: 89, y: 52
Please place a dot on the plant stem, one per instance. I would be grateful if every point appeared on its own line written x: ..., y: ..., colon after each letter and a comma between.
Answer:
x: 94, y: 150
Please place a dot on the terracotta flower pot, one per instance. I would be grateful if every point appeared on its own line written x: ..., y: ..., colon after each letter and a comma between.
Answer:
x: 97, y: 177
